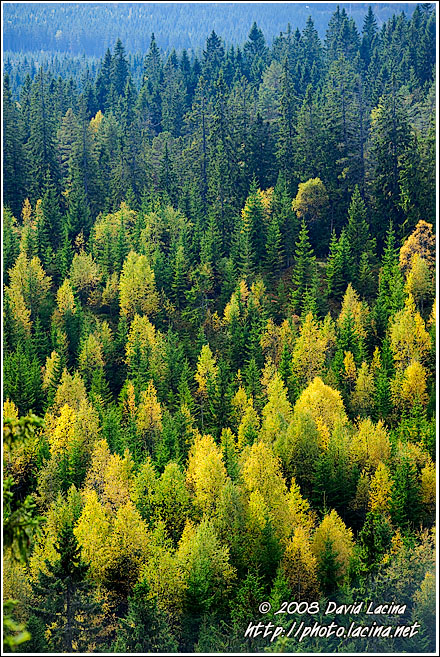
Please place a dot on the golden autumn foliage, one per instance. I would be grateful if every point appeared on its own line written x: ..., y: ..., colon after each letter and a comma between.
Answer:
x: 249, y: 426
x: 370, y: 445
x: 311, y: 199
x: 85, y: 274
x: 28, y: 278
x: 71, y: 390
x: 65, y: 298
x: 149, y: 413
x: 353, y: 307
x: 145, y: 337
x: 310, y: 349
x: 324, y: 405
x: 421, y: 242
x: 267, y: 490
x: 349, y: 368
x: 274, y: 337
x: 362, y: 396
x: 110, y: 225
x: 90, y: 356
x: 27, y: 290
x: 206, y: 473
x: 409, y: 338
x: 380, y: 489
x: 137, y: 287
x: 420, y: 282
x: 28, y: 239
x: 93, y: 533
x: 110, y: 475
x: 61, y: 430
x: 299, y: 566
x: 301, y: 513
x: 413, y: 385
x: 206, y: 370
x: 332, y: 529
x: 277, y: 413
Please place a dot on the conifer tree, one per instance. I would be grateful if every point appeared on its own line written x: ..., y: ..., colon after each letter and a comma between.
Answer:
x: 304, y: 276
x: 63, y: 597
x: 14, y: 164
x: 43, y: 165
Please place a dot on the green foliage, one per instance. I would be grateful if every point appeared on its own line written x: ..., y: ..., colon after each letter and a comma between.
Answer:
x: 145, y: 628
x: 64, y: 594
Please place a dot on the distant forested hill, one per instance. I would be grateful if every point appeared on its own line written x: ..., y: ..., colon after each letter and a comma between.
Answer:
x: 91, y: 28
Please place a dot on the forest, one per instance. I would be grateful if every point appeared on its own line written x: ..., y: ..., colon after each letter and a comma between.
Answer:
x: 219, y: 341
x: 89, y: 28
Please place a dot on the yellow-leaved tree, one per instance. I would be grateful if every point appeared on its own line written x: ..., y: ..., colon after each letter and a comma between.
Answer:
x: 370, y: 445
x: 420, y: 242
x: 310, y: 349
x: 28, y: 289
x: 267, y: 490
x: 206, y: 473
x: 66, y: 299
x: 324, y: 405
x: 311, y: 200
x: 353, y: 307
x: 277, y: 413
x: 149, y: 416
x: 300, y: 567
x: 206, y: 376
x: 409, y: 387
x: 380, y: 489
x: 93, y: 533
x: 85, y: 275
x: 137, y: 287
x: 71, y: 391
x: 146, y: 342
x: 333, y: 547
x: 409, y: 339
x: 420, y: 282
x: 362, y: 396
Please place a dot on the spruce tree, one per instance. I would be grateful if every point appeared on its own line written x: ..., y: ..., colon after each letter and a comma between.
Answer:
x: 63, y: 598
x: 304, y: 275
x: 14, y: 162
x: 41, y: 152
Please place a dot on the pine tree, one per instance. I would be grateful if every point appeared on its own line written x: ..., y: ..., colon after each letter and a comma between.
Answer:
x: 145, y: 628
x: 274, y: 250
x: 41, y: 144
x: 391, y: 294
x: 287, y: 220
x: 405, y: 495
x: 304, y: 276
x: 63, y: 597
x: 288, y: 105
x: 369, y: 37
x: 119, y: 71
x: 14, y: 163
x: 51, y: 214
x: 390, y: 138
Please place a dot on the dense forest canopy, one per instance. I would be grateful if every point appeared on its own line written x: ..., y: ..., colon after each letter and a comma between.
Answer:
x: 89, y: 28
x: 219, y: 336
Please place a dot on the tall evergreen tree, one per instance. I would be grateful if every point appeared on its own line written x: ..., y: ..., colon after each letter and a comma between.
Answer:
x: 63, y: 597
x: 304, y: 276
